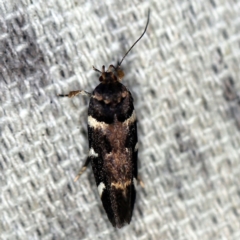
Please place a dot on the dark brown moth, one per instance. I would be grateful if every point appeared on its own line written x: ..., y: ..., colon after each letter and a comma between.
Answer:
x: 113, y: 142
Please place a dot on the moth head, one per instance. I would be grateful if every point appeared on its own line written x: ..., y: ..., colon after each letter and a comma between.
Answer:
x: 116, y: 74
x: 113, y: 74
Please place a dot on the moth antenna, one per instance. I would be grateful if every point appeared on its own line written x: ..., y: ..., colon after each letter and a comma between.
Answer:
x: 119, y: 63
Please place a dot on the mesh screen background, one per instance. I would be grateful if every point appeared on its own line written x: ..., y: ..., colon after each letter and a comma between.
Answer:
x: 184, y: 76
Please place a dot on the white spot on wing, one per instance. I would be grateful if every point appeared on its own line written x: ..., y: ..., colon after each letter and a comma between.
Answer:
x: 94, y: 123
x: 134, y: 181
x: 92, y: 153
x: 131, y: 119
x: 136, y: 147
x: 101, y: 187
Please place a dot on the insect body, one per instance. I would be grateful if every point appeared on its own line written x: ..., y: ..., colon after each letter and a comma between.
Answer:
x: 113, y: 144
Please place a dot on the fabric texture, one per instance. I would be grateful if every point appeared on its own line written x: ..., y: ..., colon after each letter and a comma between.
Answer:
x: 184, y: 76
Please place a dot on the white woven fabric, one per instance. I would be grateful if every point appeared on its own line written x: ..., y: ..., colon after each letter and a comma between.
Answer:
x: 184, y: 76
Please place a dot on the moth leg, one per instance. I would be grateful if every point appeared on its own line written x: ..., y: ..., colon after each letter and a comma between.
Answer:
x: 75, y: 93
x: 83, y: 169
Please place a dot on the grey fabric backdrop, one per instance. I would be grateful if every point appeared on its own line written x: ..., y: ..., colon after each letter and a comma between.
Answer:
x: 184, y: 76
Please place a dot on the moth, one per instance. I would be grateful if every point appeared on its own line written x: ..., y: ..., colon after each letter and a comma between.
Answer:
x: 113, y: 142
